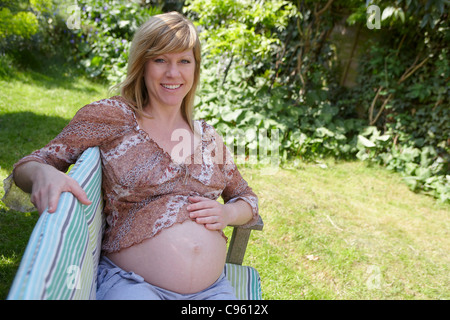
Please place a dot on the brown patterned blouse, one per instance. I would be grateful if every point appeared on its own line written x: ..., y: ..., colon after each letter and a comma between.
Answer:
x: 145, y: 190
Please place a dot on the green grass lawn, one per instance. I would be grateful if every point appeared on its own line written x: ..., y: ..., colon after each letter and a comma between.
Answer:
x: 340, y: 231
x: 348, y: 232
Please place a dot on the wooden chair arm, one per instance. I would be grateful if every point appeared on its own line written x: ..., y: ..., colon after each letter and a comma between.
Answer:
x: 239, y: 241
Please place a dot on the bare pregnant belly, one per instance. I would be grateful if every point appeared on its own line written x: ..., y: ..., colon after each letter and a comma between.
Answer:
x: 184, y: 258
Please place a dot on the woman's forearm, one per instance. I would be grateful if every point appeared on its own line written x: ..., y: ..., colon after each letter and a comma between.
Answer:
x: 25, y: 174
x: 45, y: 184
x: 239, y: 212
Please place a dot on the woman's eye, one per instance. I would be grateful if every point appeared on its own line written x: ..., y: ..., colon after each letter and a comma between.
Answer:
x: 184, y: 61
x: 159, y: 60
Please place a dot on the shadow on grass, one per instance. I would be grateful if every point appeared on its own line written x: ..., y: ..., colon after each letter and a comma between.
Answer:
x: 53, y: 79
x: 15, y: 230
x: 23, y: 132
x: 20, y: 134
x: 45, y: 71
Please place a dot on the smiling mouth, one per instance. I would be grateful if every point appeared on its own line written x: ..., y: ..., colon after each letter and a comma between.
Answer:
x: 171, y: 86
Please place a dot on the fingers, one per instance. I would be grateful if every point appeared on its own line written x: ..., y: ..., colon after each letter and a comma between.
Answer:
x: 198, y: 199
x: 207, y: 212
x: 202, y: 207
x: 40, y: 206
x: 80, y: 194
x: 214, y: 226
x: 211, y: 222
x: 205, y: 218
x: 40, y: 197
x: 46, y: 196
x: 53, y: 200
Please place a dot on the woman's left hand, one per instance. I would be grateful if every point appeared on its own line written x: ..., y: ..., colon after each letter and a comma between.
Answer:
x: 208, y: 212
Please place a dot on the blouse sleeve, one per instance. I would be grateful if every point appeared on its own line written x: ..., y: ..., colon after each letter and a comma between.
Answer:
x: 236, y: 187
x: 93, y: 125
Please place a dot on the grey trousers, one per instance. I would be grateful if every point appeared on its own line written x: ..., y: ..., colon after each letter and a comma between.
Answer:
x: 113, y: 283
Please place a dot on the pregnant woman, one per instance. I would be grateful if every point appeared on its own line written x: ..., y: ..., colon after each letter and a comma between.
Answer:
x: 162, y: 174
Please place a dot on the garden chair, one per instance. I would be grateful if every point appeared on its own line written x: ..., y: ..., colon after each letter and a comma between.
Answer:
x: 61, y: 258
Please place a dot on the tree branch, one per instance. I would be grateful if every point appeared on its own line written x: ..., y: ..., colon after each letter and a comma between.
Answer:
x: 400, y: 45
x: 227, y: 69
x: 321, y: 11
x: 407, y: 74
x: 352, y: 53
x: 372, y: 106
x: 280, y: 61
x: 381, y: 110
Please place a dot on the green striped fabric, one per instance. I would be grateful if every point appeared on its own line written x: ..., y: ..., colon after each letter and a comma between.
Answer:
x: 60, y: 261
x: 245, y: 281
x: 61, y: 258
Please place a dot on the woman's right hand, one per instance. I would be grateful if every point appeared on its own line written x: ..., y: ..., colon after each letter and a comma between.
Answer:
x: 46, y: 183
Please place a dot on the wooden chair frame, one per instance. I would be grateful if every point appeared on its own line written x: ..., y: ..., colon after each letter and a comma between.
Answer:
x: 239, y: 241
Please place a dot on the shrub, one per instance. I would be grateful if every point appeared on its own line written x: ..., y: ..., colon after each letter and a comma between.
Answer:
x: 100, y: 46
x: 284, y: 76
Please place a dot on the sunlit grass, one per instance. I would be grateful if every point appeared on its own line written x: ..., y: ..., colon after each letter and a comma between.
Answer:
x: 348, y: 232
x: 35, y: 107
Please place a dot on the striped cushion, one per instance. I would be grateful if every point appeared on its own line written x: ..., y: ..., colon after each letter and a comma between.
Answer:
x: 245, y: 281
x: 60, y: 261
x: 61, y: 258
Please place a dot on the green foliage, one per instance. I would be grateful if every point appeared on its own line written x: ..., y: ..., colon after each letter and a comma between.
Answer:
x: 31, y: 30
x: 21, y: 18
x: 410, y: 70
x: 240, y: 28
x: 242, y: 91
x: 6, y: 66
x: 22, y: 24
x: 100, y: 46
x: 284, y: 76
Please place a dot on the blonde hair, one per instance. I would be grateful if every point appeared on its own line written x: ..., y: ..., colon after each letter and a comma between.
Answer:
x: 164, y: 33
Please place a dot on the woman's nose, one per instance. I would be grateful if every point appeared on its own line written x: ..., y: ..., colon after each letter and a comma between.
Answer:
x: 172, y: 71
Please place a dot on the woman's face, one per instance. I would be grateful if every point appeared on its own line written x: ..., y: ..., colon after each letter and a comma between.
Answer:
x: 169, y: 77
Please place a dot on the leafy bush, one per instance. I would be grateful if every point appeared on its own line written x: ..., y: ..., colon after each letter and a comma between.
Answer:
x: 30, y: 30
x: 244, y: 86
x: 290, y: 83
x: 100, y: 46
x: 22, y: 24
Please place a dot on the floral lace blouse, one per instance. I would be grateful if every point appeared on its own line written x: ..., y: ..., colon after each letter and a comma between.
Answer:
x: 145, y: 190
